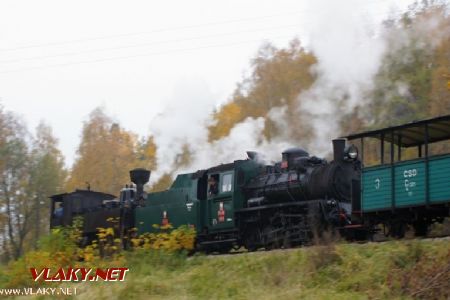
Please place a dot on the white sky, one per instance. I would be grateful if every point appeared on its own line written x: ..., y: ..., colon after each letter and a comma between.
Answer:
x: 61, y: 59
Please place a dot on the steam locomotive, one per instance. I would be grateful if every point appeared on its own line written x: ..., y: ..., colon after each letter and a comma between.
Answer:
x: 249, y: 204
x: 243, y: 203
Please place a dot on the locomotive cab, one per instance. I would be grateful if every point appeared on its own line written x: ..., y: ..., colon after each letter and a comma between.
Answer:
x: 219, y: 204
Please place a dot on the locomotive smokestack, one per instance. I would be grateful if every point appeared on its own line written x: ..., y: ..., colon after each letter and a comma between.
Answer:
x: 252, y: 155
x: 139, y: 177
x: 338, y: 149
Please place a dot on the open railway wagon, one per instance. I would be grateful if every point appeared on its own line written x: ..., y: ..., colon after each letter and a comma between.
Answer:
x: 407, y: 182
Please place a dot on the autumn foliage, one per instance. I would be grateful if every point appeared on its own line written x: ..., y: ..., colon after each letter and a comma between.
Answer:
x: 278, y: 77
x: 105, y: 154
x: 62, y: 248
x: 411, y: 83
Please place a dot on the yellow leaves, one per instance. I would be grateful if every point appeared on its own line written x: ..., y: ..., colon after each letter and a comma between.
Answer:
x: 105, y: 233
x: 105, y: 251
x: 184, y: 158
x: 168, y: 239
x: 147, y: 153
x: 75, y: 231
x: 136, y: 242
x: 109, y: 231
x: 163, y: 183
x: 105, y: 154
x: 113, y: 220
x: 166, y: 227
x: 279, y: 76
x: 229, y: 115
x: 90, y: 253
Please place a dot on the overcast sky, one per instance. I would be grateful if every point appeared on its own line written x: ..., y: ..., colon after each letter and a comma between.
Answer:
x: 61, y: 59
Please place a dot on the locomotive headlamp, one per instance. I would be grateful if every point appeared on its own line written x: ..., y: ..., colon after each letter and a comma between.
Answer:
x: 351, y: 152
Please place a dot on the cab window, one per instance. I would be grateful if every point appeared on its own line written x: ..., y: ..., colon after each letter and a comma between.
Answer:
x: 227, y: 183
x: 213, y: 185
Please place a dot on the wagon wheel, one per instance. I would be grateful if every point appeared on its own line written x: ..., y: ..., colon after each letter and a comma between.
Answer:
x: 420, y: 228
x: 397, y: 230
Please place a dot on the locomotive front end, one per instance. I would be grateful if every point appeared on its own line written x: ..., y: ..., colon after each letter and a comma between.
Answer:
x: 301, y: 177
x: 300, y: 196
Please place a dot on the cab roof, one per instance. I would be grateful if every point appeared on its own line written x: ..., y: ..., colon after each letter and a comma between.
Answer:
x: 84, y: 193
x: 411, y: 134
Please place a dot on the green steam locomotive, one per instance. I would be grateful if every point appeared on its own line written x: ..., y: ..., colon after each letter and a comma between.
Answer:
x: 249, y: 204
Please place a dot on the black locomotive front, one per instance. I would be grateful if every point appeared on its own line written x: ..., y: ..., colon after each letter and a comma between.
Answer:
x: 300, y: 177
x: 302, y: 194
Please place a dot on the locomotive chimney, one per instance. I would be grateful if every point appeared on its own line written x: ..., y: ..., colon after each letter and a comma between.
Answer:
x: 338, y: 149
x: 139, y: 177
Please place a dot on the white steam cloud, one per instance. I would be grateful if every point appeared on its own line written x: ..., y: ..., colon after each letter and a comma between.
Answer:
x: 349, y: 53
x: 349, y: 45
x: 185, y: 123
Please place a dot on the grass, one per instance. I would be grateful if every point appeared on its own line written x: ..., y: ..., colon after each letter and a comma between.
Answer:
x: 389, y: 270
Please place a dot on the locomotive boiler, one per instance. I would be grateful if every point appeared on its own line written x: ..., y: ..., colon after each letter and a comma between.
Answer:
x: 301, y: 177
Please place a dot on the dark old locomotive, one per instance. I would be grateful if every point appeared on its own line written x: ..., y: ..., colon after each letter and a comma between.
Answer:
x: 299, y: 197
x: 251, y: 204
x: 244, y: 203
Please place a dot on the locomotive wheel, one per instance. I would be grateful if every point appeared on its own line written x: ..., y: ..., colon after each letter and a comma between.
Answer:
x: 271, y: 240
x: 287, y: 240
x: 251, y: 240
x: 251, y: 247
x: 316, y: 222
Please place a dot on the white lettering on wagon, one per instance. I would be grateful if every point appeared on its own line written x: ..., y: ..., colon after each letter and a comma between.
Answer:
x: 377, y: 183
x: 410, y: 173
x: 409, y: 184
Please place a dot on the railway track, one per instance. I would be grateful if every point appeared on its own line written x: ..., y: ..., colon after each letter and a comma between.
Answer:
x: 444, y: 238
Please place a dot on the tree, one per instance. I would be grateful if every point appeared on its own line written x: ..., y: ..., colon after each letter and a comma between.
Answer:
x: 105, y: 155
x: 47, y: 177
x: 411, y: 83
x: 146, y: 153
x: 440, y: 77
x: 278, y: 77
x: 15, y: 205
x: 228, y: 116
x: 163, y: 183
x: 184, y: 158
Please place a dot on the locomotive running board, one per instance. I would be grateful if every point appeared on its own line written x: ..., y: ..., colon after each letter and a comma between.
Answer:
x: 277, y: 205
x: 218, y: 241
x: 353, y: 226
